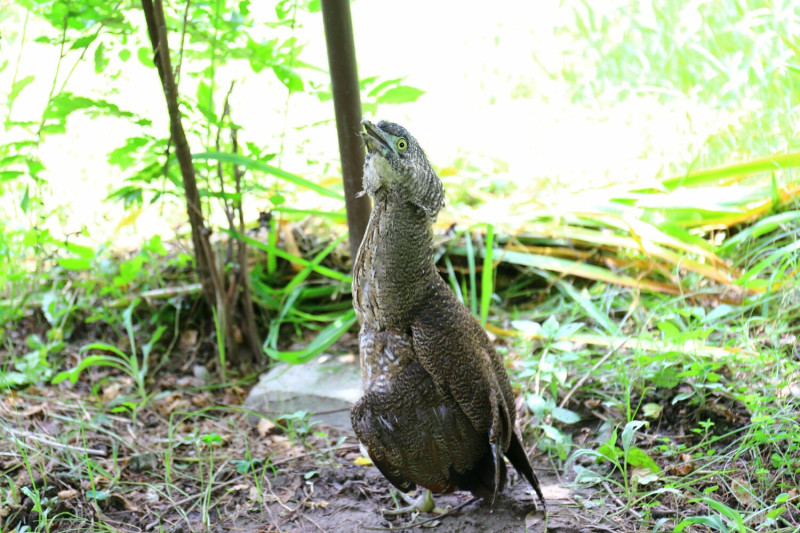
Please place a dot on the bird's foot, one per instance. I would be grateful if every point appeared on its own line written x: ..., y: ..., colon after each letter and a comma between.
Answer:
x: 422, y: 504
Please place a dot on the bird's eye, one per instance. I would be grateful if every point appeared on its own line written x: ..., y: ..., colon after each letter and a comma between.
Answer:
x: 402, y: 144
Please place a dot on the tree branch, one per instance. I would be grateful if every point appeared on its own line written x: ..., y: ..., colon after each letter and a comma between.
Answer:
x: 157, y: 31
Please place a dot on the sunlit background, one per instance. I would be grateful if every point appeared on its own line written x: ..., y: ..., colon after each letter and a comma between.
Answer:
x: 533, y: 101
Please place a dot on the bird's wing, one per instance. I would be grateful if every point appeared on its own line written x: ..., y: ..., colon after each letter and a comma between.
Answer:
x: 454, y: 349
x: 414, y: 435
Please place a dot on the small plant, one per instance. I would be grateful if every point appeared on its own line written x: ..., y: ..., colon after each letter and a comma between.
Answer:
x: 128, y: 364
x: 298, y: 425
x: 728, y: 519
x: 620, y: 459
x: 41, y: 506
x: 33, y: 367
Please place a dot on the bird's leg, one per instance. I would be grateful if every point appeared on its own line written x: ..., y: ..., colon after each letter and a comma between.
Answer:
x: 422, y: 504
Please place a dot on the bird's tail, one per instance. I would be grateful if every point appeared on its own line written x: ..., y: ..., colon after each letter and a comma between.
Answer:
x: 519, y: 459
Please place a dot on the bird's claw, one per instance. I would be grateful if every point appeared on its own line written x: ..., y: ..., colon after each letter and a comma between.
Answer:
x: 422, y: 504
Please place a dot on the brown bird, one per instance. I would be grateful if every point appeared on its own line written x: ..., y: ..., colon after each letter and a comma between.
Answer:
x: 437, y: 409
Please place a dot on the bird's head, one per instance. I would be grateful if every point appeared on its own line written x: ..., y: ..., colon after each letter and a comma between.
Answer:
x: 397, y: 167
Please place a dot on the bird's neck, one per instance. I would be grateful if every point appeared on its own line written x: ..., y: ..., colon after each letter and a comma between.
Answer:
x: 395, y: 260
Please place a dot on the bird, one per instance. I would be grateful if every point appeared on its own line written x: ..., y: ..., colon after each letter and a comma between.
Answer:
x: 437, y: 409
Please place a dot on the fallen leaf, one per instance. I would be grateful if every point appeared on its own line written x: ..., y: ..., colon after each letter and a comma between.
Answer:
x: 363, y: 461
x: 643, y: 476
x: 555, y: 492
x: 290, y: 244
x: 652, y: 410
x: 264, y: 426
x: 684, y: 468
x: 188, y: 339
x: 593, y: 403
x: 743, y: 492
x: 533, y: 519
x: 29, y: 412
x: 237, y: 335
x: 67, y: 494
x: 111, y: 391
x: 151, y: 496
x: 316, y: 505
x: 201, y: 400
x: 117, y: 501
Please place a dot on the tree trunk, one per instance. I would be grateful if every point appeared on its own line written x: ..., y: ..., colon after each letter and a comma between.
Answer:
x: 157, y: 30
x: 347, y: 106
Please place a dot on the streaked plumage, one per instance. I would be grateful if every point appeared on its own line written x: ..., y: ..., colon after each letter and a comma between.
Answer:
x: 438, y: 409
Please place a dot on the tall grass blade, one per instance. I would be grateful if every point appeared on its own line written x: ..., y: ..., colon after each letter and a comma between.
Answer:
x: 324, y: 339
x: 487, y: 285
x: 252, y: 164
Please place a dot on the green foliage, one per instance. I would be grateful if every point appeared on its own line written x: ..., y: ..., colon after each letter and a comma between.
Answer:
x: 728, y: 519
x: 111, y: 356
x: 32, y: 367
x: 620, y: 459
x: 297, y: 425
x: 219, y: 43
x: 723, y: 53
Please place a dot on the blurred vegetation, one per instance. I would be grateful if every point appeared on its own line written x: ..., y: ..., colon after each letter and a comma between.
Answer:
x: 662, y: 316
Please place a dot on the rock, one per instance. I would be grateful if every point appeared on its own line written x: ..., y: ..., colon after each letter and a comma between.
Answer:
x: 326, y: 388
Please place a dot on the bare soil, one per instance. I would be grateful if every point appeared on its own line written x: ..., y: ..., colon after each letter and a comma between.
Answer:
x: 75, y: 458
x: 192, y: 461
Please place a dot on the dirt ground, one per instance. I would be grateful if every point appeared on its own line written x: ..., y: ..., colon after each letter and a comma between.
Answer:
x: 85, y: 457
x: 70, y: 463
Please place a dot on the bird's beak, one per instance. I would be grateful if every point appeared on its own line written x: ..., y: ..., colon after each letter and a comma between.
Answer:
x: 374, y: 139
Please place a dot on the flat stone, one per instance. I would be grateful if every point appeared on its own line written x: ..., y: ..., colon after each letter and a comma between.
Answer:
x: 326, y: 388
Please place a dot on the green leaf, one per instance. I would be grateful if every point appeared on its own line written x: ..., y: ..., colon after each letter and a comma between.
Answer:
x: 205, y: 101
x: 324, y: 339
x: 90, y: 361
x: 739, y: 170
x: 670, y: 330
x: 100, y: 59
x: 145, y: 55
x: 609, y: 452
x: 335, y: 216
x: 626, y: 439
x: 652, y: 410
x: 84, y: 252
x: 588, y: 306
x: 18, y: 86
x: 487, y: 278
x: 25, y: 201
x: 98, y: 495
x: 775, y: 513
x: 105, y: 347
x: 377, y: 89
x: 637, y: 457
x: 565, y: 415
x: 252, y: 164
x: 325, y: 271
x: 10, y: 175
x: 731, y: 514
x: 400, y: 95
x: 551, y: 432
x: 212, y: 438
x: 83, y: 42
x: 585, y: 476
x: 682, y: 396
x: 301, y: 276
x: 289, y: 77
x: 74, y: 263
